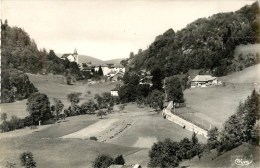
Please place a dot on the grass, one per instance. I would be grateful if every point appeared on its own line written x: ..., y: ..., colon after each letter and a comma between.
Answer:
x: 245, y: 150
x: 51, y: 151
x: 55, y: 87
x: 213, y: 105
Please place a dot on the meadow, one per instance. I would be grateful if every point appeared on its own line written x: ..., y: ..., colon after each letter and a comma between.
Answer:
x: 51, y: 150
x: 213, y: 105
x: 54, y: 86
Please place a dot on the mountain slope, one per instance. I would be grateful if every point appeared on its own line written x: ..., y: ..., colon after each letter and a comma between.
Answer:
x: 247, y: 151
x: 206, y: 43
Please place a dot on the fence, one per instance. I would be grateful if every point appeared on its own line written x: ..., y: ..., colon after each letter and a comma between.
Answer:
x: 183, y: 123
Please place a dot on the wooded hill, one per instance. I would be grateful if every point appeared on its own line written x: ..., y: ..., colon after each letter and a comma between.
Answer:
x: 20, y: 55
x: 206, y: 43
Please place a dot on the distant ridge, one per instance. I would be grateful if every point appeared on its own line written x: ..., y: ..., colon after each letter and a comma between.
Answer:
x: 96, y: 61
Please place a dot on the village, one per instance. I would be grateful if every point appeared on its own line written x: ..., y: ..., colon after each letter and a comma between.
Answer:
x: 130, y: 84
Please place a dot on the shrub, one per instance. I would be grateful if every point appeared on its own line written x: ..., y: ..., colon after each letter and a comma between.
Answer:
x: 119, y: 160
x: 27, y: 160
x: 103, y: 161
x: 93, y: 138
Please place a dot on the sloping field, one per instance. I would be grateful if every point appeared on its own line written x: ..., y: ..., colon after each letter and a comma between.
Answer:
x: 93, y: 129
x: 55, y: 87
x: 245, y: 49
x: 246, y: 151
x: 59, y: 153
x: 17, y: 108
x: 213, y: 105
x: 149, y: 129
x: 249, y: 75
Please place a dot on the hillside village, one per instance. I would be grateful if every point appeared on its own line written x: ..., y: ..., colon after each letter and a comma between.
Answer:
x: 182, y: 102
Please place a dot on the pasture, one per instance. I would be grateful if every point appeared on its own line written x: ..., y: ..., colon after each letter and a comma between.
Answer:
x: 51, y: 149
x: 54, y: 86
x: 213, y: 105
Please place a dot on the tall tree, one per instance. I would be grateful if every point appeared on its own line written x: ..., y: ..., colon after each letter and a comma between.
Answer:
x: 38, y: 105
x: 74, y: 98
x: 173, y: 89
x: 58, y: 106
x: 100, y: 71
x: 157, y: 78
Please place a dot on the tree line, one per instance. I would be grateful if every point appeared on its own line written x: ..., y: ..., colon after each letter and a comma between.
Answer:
x: 206, y: 43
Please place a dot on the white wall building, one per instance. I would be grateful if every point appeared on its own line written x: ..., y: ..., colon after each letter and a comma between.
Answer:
x: 203, y: 81
x: 71, y: 57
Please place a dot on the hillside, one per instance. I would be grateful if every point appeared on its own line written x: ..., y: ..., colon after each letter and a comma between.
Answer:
x: 222, y: 100
x: 245, y: 151
x: 207, y: 43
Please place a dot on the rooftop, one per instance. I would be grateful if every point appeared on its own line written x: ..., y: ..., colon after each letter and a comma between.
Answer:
x: 202, y: 78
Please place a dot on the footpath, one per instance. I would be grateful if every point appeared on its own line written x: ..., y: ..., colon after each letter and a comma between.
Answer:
x: 183, y: 123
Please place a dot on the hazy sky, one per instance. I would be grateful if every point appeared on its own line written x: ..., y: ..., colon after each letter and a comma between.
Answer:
x: 106, y: 29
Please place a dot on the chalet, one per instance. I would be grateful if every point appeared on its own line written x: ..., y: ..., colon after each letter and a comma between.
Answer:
x: 203, y: 81
x: 71, y: 57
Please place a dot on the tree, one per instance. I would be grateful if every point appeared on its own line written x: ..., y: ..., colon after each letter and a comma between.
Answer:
x: 101, y: 113
x: 3, y: 116
x: 119, y: 160
x: 88, y: 107
x: 68, y: 79
x: 58, y: 106
x: 164, y: 154
x: 103, y: 161
x: 74, y: 98
x: 27, y: 160
x: 212, y: 141
x: 157, y: 78
x: 174, y: 90
x: 38, y: 106
x: 131, y: 55
x: 156, y: 99
x: 194, y: 139
x: 100, y: 71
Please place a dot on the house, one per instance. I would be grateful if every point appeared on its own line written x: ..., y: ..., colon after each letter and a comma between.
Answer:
x: 203, y: 81
x: 71, y: 57
x: 110, y: 69
x: 114, y: 92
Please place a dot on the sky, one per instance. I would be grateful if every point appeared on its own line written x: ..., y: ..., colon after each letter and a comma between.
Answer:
x: 106, y: 29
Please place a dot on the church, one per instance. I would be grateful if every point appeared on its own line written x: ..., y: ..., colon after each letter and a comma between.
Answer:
x: 71, y: 57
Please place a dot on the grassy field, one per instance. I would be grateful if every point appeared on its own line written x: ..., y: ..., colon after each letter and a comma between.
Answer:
x: 55, y: 87
x: 52, y: 151
x: 213, y: 105
x: 246, y: 151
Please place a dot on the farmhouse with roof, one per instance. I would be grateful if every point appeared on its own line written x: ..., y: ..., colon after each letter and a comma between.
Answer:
x: 71, y: 57
x: 203, y: 81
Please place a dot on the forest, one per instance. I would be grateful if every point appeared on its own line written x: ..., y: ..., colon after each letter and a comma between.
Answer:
x: 207, y: 44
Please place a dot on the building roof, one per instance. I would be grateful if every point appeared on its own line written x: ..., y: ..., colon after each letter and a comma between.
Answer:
x: 203, y: 78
